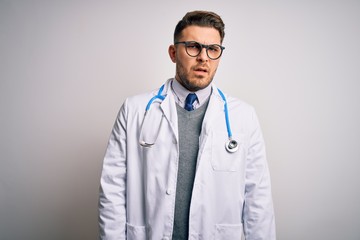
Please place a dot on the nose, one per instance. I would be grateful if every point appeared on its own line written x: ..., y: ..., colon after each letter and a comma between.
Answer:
x: 203, y: 57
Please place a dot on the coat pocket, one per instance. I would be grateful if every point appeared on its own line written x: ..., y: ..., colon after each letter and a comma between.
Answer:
x: 135, y: 232
x: 228, y: 231
x: 221, y: 159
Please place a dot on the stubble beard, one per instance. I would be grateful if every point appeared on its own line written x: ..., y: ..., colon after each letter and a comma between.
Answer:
x: 192, y: 86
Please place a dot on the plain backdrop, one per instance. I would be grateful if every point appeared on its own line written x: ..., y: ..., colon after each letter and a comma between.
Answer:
x: 67, y: 66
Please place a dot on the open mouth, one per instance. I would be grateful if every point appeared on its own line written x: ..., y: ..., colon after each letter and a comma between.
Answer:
x: 204, y: 70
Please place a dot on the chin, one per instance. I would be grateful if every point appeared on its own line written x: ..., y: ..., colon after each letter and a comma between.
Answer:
x: 195, y: 83
x: 198, y: 86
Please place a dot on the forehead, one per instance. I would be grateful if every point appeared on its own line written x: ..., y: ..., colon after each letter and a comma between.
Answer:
x: 205, y: 35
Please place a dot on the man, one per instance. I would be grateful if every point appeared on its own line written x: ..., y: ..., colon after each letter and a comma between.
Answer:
x: 168, y: 174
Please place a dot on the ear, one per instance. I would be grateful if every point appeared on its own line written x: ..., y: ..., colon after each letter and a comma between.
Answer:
x: 172, y: 53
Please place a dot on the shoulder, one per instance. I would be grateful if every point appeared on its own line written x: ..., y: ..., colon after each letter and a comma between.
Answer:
x: 140, y: 101
x: 236, y: 104
x: 135, y: 103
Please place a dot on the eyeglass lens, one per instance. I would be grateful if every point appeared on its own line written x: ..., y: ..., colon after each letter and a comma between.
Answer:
x: 194, y: 48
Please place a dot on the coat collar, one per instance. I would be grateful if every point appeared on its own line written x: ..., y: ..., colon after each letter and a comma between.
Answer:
x: 168, y: 106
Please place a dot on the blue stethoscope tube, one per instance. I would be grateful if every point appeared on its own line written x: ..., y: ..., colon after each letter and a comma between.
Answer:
x: 231, y: 145
x: 158, y: 96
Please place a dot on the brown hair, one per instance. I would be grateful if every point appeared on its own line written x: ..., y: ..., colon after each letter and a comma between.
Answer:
x: 202, y: 19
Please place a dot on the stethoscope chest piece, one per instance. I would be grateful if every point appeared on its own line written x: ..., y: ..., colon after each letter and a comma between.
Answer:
x: 231, y: 145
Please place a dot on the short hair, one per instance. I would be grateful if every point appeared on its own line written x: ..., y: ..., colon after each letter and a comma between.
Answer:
x: 201, y: 19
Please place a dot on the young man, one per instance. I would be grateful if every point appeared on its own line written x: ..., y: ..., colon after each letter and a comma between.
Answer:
x: 193, y: 166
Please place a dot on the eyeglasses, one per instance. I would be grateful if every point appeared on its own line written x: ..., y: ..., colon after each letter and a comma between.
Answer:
x: 193, y: 49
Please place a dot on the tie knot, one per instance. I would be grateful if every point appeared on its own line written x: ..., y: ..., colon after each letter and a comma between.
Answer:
x: 189, y: 101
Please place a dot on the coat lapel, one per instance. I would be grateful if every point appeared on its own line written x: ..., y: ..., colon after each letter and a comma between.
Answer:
x: 168, y: 106
x: 215, y: 107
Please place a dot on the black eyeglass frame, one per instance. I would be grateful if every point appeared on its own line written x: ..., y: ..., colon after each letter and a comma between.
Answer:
x: 186, y: 43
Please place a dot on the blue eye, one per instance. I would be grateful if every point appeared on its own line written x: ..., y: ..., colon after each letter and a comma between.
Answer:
x: 214, y: 48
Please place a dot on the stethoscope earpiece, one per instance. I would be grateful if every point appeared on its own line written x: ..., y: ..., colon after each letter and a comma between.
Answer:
x: 231, y: 145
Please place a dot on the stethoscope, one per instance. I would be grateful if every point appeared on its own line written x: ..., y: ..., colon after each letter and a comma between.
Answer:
x: 231, y: 145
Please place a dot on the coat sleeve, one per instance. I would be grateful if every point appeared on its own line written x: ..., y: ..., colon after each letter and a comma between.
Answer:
x: 258, y: 214
x: 112, y: 197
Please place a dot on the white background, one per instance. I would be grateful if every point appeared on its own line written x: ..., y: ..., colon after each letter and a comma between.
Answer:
x: 66, y: 67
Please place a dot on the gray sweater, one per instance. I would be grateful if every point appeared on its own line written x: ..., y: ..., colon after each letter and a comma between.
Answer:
x: 189, y: 131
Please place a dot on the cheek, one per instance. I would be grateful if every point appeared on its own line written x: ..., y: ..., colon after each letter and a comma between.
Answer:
x: 185, y: 66
x: 214, y: 67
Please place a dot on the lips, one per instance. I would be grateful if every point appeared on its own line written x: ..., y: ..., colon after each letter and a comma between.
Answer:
x: 201, y: 69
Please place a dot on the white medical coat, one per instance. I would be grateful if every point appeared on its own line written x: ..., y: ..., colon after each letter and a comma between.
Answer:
x: 231, y: 191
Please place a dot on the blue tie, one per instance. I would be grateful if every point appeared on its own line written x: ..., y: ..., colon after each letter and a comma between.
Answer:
x: 190, y: 99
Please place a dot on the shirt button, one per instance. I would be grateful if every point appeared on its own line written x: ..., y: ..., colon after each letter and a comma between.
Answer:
x: 169, y: 191
x: 165, y: 238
